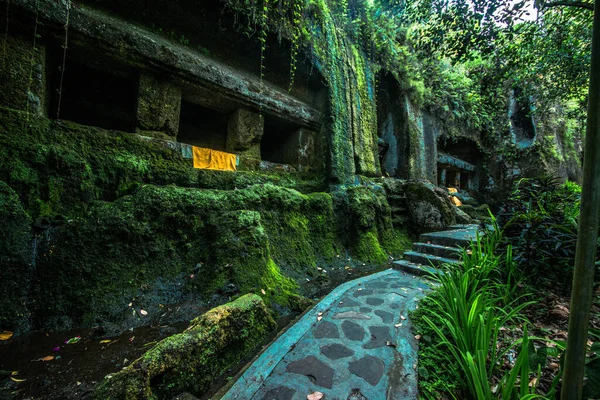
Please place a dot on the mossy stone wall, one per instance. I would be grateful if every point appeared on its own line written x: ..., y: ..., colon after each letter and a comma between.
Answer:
x: 15, y: 260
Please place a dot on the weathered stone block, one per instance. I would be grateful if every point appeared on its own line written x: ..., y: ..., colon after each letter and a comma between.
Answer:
x: 191, y: 360
x: 159, y: 105
x: 23, y: 71
x: 430, y: 209
x: 244, y: 131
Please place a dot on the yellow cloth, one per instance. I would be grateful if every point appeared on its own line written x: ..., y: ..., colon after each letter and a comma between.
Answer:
x: 213, y: 159
x: 456, y: 201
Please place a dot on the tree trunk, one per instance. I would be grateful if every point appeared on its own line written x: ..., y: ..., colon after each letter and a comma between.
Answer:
x: 583, y: 279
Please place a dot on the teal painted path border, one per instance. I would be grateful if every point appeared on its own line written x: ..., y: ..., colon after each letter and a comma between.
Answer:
x: 252, y: 379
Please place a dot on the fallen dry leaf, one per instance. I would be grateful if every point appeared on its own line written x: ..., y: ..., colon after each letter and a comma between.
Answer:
x: 17, y: 379
x: 315, y: 396
x: 47, y: 358
x: 533, y: 382
x: 5, y: 335
x: 104, y: 341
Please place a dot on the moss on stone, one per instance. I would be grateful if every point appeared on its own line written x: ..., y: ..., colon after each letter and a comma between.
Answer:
x: 190, y: 361
x: 430, y: 208
x: 147, y: 244
x: 62, y: 167
x: 365, y: 224
x: 23, y: 75
x: 15, y: 261
x: 369, y: 250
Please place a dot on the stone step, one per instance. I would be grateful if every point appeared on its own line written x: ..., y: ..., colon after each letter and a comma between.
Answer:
x: 436, y: 250
x: 415, y: 269
x: 427, y: 259
x: 453, y: 238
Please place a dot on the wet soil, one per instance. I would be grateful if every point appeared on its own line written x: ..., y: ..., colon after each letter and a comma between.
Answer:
x: 41, y: 365
x: 75, y: 369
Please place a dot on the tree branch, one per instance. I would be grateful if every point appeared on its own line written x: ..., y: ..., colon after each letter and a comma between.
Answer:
x: 577, y: 4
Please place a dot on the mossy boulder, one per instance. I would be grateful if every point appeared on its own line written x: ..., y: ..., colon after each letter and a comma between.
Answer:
x: 15, y: 261
x: 365, y: 224
x: 429, y: 207
x: 190, y: 361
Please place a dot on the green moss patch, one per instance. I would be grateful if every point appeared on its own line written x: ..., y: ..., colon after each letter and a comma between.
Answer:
x: 190, y: 361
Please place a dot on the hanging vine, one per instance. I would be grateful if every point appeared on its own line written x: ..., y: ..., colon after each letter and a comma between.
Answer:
x: 34, y: 54
x: 64, y: 60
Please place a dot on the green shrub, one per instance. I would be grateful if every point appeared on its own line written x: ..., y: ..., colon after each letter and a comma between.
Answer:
x: 540, y: 222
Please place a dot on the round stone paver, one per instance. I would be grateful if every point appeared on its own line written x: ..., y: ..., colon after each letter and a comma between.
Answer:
x: 380, y: 335
x: 369, y: 368
x: 318, y: 373
x: 374, y: 301
x: 336, y: 351
x: 386, y: 317
x: 353, y: 331
x: 327, y: 329
x: 347, y: 302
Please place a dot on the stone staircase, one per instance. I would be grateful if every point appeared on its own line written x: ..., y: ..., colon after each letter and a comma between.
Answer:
x: 436, y: 249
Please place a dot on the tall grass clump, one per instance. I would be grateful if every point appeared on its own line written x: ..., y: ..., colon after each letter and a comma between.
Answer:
x: 461, y: 322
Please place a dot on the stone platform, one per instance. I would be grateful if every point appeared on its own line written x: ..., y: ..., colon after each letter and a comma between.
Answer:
x: 357, y: 343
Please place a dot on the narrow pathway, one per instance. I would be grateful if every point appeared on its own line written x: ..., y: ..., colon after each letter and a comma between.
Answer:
x: 355, y: 344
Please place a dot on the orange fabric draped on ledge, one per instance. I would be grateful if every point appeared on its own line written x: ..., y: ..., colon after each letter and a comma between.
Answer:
x: 212, y: 159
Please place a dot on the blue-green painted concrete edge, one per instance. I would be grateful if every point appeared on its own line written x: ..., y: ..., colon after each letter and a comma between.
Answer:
x: 251, y: 380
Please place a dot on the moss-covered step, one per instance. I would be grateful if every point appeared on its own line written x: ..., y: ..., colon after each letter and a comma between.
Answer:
x: 192, y: 360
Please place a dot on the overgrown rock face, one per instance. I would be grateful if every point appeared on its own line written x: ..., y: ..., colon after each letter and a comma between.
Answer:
x: 15, y: 260
x: 164, y: 245
x: 207, y: 236
x: 430, y: 208
x: 190, y: 361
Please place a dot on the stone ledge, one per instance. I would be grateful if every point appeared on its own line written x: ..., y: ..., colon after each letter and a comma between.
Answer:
x: 142, y: 48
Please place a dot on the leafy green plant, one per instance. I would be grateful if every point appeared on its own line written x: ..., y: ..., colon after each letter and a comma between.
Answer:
x: 467, y: 320
x: 466, y: 314
x: 539, y: 221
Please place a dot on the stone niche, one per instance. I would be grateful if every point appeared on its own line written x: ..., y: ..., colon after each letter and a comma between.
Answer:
x: 458, y: 163
x: 393, y: 130
x: 93, y: 90
x: 522, y: 124
x: 202, y: 126
x: 287, y: 143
